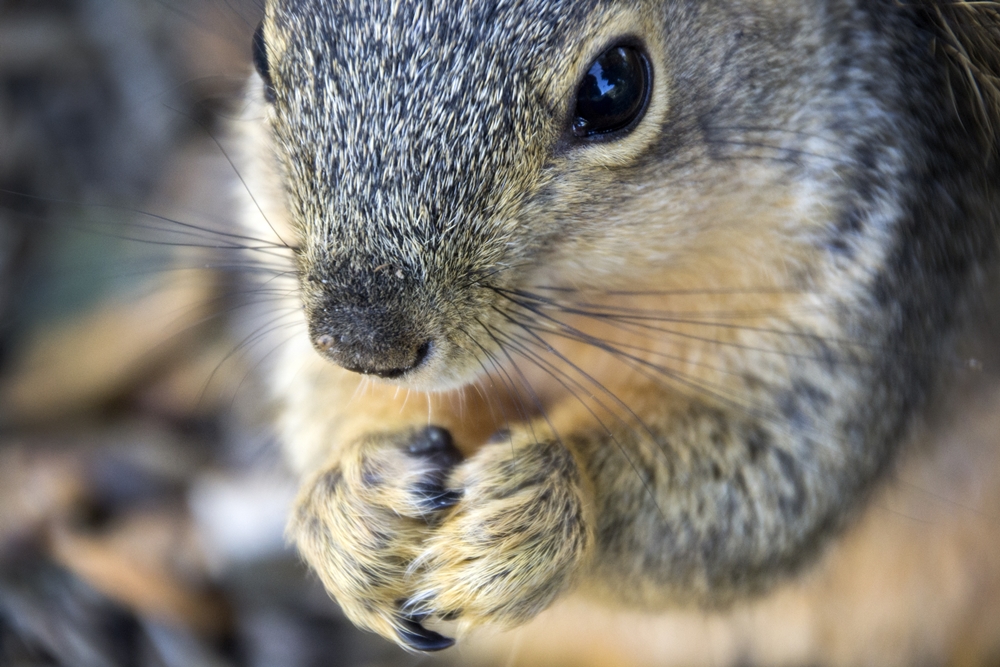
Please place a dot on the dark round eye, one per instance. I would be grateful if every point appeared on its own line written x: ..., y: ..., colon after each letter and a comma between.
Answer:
x: 260, y: 62
x: 613, y: 94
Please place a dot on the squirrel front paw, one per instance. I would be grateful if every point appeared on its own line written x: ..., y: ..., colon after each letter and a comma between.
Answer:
x: 511, y: 545
x: 362, y: 522
x: 401, y: 532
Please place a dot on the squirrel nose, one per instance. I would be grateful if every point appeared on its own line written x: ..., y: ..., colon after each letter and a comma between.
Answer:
x: 369, y: 322
x: 360, y: 348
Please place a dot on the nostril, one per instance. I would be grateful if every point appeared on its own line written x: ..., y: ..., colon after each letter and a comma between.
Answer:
x: 422, y: 353
x: 324, y: 342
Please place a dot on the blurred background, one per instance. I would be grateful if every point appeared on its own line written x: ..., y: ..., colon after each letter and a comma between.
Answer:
x: 142, y: 497
x: 142, y: 494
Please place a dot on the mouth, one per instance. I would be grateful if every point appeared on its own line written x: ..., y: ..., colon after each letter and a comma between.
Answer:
x: 392, y: 373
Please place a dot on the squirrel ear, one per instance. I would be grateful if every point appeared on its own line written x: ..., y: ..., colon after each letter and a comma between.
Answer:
x: 260, y: 62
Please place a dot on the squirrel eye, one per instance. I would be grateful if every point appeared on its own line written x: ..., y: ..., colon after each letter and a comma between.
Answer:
x: 260, y: 62
x: 613, y: 94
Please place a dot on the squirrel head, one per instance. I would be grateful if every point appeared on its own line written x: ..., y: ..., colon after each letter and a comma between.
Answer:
x: 436, y: 156
x: 411, y: 135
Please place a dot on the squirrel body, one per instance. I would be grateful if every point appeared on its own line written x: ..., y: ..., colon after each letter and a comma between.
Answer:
x: 663, y: 364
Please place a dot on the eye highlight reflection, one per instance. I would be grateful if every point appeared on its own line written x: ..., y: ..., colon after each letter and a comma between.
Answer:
x: 613, y: 93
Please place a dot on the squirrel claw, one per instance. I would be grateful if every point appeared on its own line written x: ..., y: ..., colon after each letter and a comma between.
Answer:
x: 435, y: 442
x: 441, y: 500
x: 434, y: 445
x: 419, y: 638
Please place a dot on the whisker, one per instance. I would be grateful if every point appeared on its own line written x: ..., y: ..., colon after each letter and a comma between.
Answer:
x: 493, y: 361
x: 553, y: 372
x: 722, y: 291
x: 644, y: 367
x: 634, y: 348
x: 238, y: 174
x: 252, y: 371
x: 643, y: 321
x: 679, y: 334
x: 516, y: 395
x: 171, y: 222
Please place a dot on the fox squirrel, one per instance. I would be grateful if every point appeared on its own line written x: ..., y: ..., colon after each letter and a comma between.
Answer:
x: 638, y: 299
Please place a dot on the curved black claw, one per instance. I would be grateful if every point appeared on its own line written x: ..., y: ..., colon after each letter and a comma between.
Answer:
x: 436, y: 498
x: 435, y: 442
x: 420, y: 638
x: 434, y: 445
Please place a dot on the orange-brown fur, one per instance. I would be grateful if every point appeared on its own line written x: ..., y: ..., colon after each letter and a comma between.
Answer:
x: 675, y: 364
